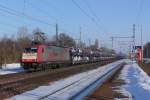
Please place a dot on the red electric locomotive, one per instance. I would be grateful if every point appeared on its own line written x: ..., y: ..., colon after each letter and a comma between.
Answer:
x: 41, y: 56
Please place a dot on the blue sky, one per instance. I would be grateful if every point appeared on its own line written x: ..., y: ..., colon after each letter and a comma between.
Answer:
x: 114, y: 18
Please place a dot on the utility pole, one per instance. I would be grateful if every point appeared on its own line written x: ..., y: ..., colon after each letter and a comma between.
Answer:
x: 80, y: 37
x: 57, y: 40
x: 133, y: 50
x: 112, y: 42
x: 147, y: 53
x: 89, y: 42
x: 133, y: 34
x: 122, y: 37
x: 142, y: 42
x: 130, y: 50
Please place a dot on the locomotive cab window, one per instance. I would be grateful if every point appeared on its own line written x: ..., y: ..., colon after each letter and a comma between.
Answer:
x: 30, y: 50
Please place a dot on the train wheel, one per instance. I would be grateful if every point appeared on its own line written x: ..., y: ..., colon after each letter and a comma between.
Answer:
x: 43, y: 67
x: 58, y: 65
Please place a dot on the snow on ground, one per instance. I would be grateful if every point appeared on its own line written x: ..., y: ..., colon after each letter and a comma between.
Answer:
x: 74, y: 84
x: 137, y: 85
x: 11, y: 68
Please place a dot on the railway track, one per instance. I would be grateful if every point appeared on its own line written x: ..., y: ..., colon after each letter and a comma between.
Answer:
x: 80, y: 87
x: 18, y: 83
x: 105, y: 90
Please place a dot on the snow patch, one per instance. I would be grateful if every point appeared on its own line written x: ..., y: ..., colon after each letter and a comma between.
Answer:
x: 143, y: 78
x: 11, y: 68
x: 124, y: 74
x: 125, y: 93
x: 137, y: 82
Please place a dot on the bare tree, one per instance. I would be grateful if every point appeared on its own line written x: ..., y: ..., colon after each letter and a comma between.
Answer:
x: 64, y: 40
x: 8, y: 51
x: 23, y: 37
x: 36, y: 30
x: 95, y: 46
x: 22, y: 32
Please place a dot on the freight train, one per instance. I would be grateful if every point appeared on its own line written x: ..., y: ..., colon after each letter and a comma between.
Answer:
x: 42, y: 56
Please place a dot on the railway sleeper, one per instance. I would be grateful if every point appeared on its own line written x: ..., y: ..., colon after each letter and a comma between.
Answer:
x: 97, y: 98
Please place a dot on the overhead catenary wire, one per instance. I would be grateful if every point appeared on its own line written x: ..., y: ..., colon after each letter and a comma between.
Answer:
x: 16, y: 13
x: 139, y: 11
x: 13, y: 17
x: 83, y: 11
x: 20, y: 14
x: 24, y: 6
x: 48, y: 4
x: 42, y: 11
x: 91, y: 10
x: 92, y: 18
x: 9, y: 25
x: 95, y: 15
x: 48, y: 14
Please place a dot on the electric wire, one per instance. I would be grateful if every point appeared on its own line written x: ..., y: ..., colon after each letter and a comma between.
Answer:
x: 20, y: 14
x: 95, y: 16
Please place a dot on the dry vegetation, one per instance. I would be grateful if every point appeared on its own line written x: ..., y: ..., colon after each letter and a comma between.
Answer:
x: 146, y: 68
x: 12, y: 47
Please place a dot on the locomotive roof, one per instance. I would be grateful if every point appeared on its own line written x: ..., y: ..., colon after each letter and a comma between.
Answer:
x: 58, y: 46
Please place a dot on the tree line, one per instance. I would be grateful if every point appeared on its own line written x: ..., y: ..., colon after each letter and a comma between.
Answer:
x: 12, y: 47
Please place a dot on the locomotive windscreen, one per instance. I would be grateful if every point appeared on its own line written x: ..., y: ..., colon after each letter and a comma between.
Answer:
x: 30, y: 50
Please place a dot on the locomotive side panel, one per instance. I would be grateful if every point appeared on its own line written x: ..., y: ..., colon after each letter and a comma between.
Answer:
x: 55, y: 54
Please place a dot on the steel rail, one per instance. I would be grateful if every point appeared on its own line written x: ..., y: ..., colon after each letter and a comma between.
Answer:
x: 91, y: 87
x: 88, y: 88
